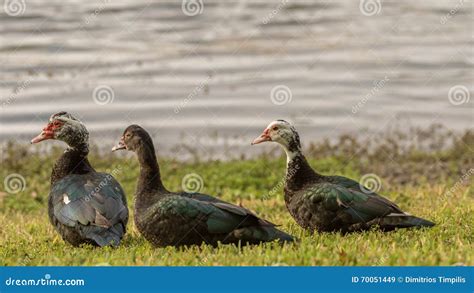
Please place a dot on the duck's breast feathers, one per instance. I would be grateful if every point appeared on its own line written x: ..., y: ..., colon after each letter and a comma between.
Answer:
x: 90, y: 199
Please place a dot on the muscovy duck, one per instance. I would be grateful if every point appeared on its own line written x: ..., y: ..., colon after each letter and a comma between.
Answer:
x: 85, y: 207
x: 331, y: 203
x: 168, y: 218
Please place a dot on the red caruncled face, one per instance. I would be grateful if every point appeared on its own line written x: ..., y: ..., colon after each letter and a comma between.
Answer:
x: 48, y: 131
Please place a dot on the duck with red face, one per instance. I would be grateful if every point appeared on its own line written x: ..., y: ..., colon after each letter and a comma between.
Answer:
x: 331, y: 203
x: 48, y: 131
x: 85, y: 207
x: 64, y: 127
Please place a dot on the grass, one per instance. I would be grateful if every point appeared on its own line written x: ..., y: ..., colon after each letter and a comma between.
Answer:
x: 431, y: 182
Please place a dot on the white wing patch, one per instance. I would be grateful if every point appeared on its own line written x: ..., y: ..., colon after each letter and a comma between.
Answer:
x: 66, y: 199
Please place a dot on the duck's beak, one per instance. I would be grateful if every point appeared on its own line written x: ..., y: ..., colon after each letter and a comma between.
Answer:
x: 120, y: 146
x: 265, y: 136
x: 44, y: 135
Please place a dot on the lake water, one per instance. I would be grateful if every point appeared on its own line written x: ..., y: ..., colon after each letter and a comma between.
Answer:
x: 219, y: 77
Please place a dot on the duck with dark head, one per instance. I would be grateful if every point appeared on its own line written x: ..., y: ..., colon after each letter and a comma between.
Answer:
x: 85, y: 207
x: 167, y: 218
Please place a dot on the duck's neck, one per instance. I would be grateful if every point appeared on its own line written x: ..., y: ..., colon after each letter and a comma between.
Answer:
x: 73, y: 161
x: 149, y: 182
x: 298, y: 171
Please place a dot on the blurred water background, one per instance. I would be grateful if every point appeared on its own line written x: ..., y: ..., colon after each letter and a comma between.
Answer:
x: 216, y: 76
